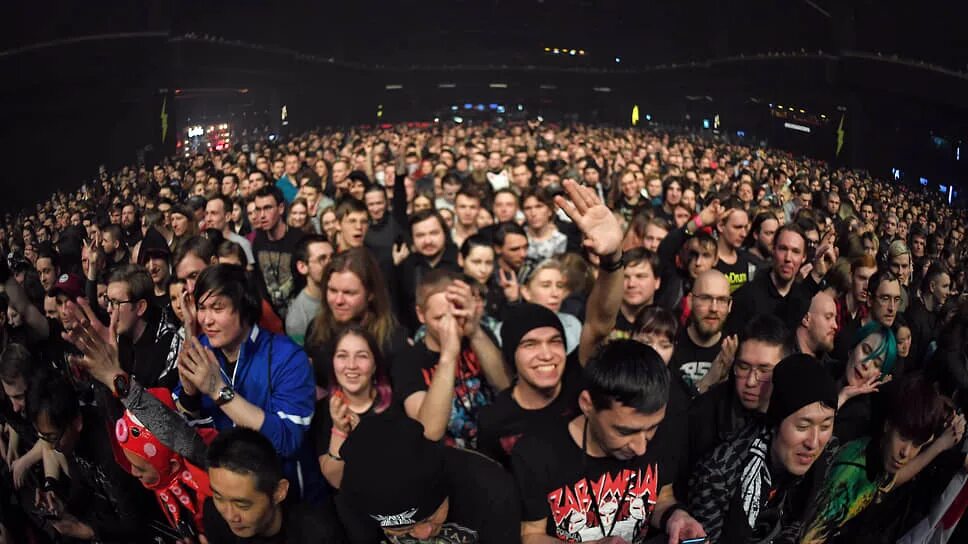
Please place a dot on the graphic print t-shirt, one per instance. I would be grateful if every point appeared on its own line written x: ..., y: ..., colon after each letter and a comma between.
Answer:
x: 692, y: 361
x: 414, y: 371
x: 561, y: 484
x: 275, y: 259
x: 738, y: 273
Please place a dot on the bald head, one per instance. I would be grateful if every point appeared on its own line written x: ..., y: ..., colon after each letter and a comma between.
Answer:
x: 819, y: 326
x: 711, y: 282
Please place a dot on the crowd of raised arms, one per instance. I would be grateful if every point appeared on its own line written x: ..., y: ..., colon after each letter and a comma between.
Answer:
x: 486, y: 335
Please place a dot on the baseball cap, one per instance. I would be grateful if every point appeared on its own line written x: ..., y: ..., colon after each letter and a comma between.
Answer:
x: 70, y: 284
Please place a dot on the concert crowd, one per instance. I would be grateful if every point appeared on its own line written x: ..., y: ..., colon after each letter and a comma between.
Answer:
x: 484, y: 334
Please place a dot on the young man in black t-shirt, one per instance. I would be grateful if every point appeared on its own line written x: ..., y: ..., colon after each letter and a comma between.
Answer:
x: 445, y: 379
x: 600, y: 475
x: 248, y: 490
x: 546, y: 390
x: 732, y: 259
x: 274, y: 246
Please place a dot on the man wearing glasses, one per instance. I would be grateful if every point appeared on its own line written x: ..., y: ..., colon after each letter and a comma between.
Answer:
x: 101, y: 502
x: 144, y: 338
x: 719, y: 413
x: 699, y: 344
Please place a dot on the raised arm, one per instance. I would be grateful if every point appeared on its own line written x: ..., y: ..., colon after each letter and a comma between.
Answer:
x: 433, y: 407
x: 602, y: 236
x: 468, y: 313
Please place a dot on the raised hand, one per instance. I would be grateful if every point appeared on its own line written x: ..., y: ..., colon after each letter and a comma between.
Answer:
x: 954, y: 432
x: 870, y: 386
x: 465, y: 309
x: 602, y: 232
x: 509, y: 284
x: 711, y: 213
x: 449, y: 338
x: 97, y: 343
x: 400, y: 253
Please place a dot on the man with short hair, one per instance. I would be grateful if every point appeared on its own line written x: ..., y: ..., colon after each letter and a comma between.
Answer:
x: 17, y: 367
x: 229, y: 186
x: 444, y: 380
x: 655, y: 231
x: 288, y: 183
x: 606, y: 454
x: 769, y: 289
x: 742, y: 492
x: 117, y: 508
x: 924, y: 314
x: 699, y: 343
x: 728, y: 407
x: 130, y: 224
x: 143, y: 336
x: 731, y: 258
x: 249, y: 491
x: 47, y: 268
x: 352, y: 222
x: 312, y: 255
x: 467, y: 204
x: 398, y: 486
x: 432, y: 250
x: 112, y: 243
x: 217, y: 213
x: 816, y: 330
x: 273, y: 247
x: 640, y: 283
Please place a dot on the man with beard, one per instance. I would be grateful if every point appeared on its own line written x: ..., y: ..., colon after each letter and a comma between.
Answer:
x: 432, y: 250
x: 817, y: 329
x: 511, y: 250
x: 924, y: 313
x: 130, y: 224
x: 731, y: 258
x: 760, y: 240
x: 702, y: 338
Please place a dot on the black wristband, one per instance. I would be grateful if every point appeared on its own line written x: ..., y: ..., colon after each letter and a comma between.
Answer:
x: 613, y: 266
x: 49, y: 484
x: 664, y: 520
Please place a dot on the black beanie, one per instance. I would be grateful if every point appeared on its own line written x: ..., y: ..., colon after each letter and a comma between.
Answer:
x: 393, y: 474
x: 522, y: 319
x: 798, y: 381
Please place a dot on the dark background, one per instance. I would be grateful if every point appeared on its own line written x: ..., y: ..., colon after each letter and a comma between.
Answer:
x: 84, y: 84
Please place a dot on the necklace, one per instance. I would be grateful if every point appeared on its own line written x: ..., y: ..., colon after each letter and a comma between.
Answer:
x: 591, y: 494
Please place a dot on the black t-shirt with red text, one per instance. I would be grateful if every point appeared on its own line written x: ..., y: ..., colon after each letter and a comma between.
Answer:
x: 584, y: 498
x: 413, y: 371
x: 504, y: 422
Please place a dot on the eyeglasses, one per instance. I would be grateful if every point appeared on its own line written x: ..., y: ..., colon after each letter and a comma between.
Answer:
x: 708, y: 300
x: 887, y: 299
x: 111, y: 304
x: 742, y: 369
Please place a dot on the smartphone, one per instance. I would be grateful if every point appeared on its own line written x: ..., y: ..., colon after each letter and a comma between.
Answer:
x: 699, y: 540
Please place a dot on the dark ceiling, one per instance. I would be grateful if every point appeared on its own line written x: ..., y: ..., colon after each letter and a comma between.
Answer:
x: 406, y: 32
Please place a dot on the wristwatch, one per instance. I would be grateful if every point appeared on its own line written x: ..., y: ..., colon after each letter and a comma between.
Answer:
x: 122, y: 385
x: 225, y: 395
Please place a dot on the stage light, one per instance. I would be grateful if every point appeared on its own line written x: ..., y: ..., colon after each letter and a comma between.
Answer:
x: 618, y: 60
x: 572, y: 52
